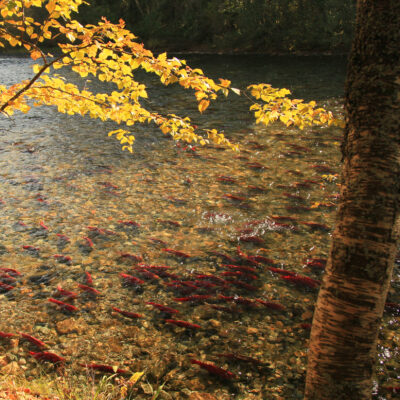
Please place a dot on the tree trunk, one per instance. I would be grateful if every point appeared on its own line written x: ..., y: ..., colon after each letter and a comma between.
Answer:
x: 351, y: 301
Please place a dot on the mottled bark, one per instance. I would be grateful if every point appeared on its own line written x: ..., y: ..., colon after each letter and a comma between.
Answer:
x: 350, y: 304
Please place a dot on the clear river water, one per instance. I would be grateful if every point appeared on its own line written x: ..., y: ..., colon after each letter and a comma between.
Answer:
x: 214, y: 235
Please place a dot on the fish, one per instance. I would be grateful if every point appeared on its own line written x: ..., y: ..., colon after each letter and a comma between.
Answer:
x: 257, y: 146
x: 261, y: 259
x: 47, y: 356
x: 300, y: 148
x: 88, y: 289
x: 183, y: 324
x: 214, y: 370
x: 11, y: 271
x: 245, y: 257
x: 166, y: 274
x: 156, y: 267
x: 291, y: 153
x: 66, y: 293
x: 281, y: 271
x: 88, y: 241
x: 183, y: 286
x: 222, y: 308
x: 132, y: 257
x: 63, y: 237
x: 105, y: 368
x: 30, y: 248
x: 226, y: 257
x: 225, y: 179
x: 158, y: 241
x: 94, y: 228
x: 62, y: 258
x: 101, y: 231
x: 195, y: 297
x: 127, y: 313
x: 258, y: 189
x: 234, y: 197
x: 41, y: 223
x: 7, y: 335
x: 244, y: 158
x: 246, y: 231
x: 205, y: 284
x: 33, y: 340
x: 189, y: 284
x: 169, y: 222
x: 303, y: 185
x: 88, y: 278
x: 41, y: 199
x: 148, y: 274
x: 240, y: 274
x: 293, y: 196
x: 323, y: 168
x: 301, y: 280
x: 238, y: 300
x: 176, y: 253
x: 131, y: 279
x: 166, y: 309
x: 279, y: 226
x: 213, y: 278
x: 6, y: 278
x: 316, y: 226
x: 255, y: 165
x: 108, y: 185
x: 129, y: 223
x: 311, y: 181
x: 251, y: 239
x: 283, y: 218
x: 6, y: 287
x: 176, y: 200
x: 271, y: 305
x: 316, y: 263
x: 66, y: 306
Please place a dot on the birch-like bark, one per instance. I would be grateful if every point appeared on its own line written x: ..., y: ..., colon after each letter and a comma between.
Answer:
x: 350, y: 304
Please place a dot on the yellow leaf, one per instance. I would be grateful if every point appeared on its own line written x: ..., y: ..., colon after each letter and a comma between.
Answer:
x: 203, y: 105
x: 50, y: 6
x: 237, y: 91
x: 71, y: 36
x: 162, y: 57
x: 35, y: 55
x: 135, y: 377
x: 224, y: 83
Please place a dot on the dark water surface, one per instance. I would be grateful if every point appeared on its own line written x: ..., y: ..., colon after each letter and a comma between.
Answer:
x: 73, y: 203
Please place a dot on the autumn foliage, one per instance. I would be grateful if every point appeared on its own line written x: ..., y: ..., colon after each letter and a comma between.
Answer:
x: 111, y: 53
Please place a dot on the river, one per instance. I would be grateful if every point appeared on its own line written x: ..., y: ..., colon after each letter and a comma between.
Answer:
x: 77, y: 212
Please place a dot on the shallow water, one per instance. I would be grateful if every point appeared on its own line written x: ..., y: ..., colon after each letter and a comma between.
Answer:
x: 61, y: 175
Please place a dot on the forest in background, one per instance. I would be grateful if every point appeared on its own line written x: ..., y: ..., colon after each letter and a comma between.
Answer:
x: 256, y: 26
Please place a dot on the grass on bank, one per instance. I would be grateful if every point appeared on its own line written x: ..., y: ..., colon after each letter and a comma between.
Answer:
x: 47, y: 387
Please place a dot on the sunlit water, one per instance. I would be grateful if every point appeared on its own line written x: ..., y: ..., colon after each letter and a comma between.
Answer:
x: 62, y: 175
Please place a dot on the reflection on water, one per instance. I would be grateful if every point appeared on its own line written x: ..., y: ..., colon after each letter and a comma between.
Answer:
x: 211, y: 234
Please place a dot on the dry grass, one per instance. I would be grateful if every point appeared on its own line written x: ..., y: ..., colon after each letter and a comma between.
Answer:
x: 49, y: 387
